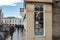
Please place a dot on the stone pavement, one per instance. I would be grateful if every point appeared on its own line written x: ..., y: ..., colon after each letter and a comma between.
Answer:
x: 17, y: 36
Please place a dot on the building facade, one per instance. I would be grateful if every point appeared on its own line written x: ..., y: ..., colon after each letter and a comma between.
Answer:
x: 11, y: 21
x: 23, y: 14
x: 56, y: 20
x: 1, y: 16
x: 38, y: 19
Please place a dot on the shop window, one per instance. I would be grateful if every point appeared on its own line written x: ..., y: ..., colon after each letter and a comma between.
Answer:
x: 38, y: 19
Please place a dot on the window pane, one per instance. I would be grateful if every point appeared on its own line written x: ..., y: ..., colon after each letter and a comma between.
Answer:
x: 36, y: 8
x: 41, y: 8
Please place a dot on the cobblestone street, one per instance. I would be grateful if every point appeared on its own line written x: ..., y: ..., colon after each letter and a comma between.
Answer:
x: 17, y: 36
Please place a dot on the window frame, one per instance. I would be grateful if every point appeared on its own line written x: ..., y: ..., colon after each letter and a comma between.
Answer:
x: 43, y: 20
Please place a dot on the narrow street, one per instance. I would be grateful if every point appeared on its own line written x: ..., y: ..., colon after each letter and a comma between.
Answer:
x: 17, y: 36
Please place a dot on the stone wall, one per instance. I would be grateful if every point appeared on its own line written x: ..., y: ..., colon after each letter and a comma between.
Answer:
x: 30, y: 22
x: 39, y: 1
x: 56, y: 21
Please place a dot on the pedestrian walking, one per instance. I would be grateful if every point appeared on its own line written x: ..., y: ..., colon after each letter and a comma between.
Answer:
x: 18, y: 28
x: 22, y: 28
x: 12, y: 29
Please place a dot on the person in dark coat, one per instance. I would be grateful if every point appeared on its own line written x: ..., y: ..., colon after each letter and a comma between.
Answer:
x: 22, y: 28
x: 18, y: 28
x: 12, y: 29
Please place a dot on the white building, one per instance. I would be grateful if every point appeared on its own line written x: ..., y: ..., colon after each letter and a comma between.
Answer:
x: 11, y: 21
x: 23, y: 14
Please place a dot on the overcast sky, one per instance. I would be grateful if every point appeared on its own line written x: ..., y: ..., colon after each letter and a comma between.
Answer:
x: 11, y: 7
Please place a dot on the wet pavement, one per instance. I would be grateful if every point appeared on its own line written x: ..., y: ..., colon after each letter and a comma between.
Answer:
x: 17, y: 36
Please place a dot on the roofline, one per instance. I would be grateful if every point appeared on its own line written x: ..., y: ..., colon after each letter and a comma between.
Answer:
x: 37, y: 2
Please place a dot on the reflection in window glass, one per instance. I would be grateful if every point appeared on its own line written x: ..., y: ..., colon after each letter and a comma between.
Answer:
x: 38, y: 19
x: 41, y: 8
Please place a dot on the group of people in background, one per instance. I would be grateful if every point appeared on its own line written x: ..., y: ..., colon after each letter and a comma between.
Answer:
x: 20, y: 27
